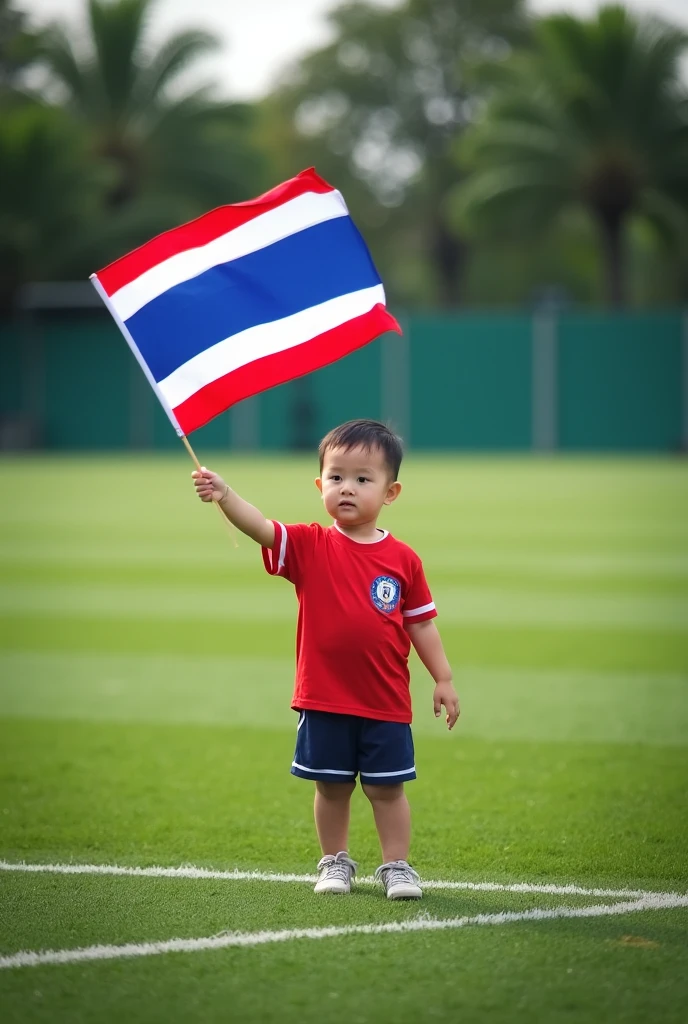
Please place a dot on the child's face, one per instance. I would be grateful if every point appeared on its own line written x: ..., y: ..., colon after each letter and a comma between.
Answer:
x: 355, y: 484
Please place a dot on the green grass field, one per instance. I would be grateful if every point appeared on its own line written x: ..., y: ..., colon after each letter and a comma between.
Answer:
x: 146, y: 671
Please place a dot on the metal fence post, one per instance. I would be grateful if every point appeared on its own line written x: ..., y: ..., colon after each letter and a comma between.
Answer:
x: 395, y: 380
x: 545, y: 412
x: 141, y: 409
x: 245, y: 424
x: 684, y: 384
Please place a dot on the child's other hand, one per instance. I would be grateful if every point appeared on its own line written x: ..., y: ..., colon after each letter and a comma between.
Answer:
x: 209, y: 486
x: 446, y: 694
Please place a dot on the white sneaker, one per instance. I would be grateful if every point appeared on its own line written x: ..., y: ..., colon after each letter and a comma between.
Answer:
x: 336, y: 873
x: 399, y: 880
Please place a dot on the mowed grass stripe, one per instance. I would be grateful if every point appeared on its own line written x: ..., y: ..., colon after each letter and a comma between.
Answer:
x: 568, y: 804
x: 103, y: 904
x: 618, y: 505
x: 202, y: 874
x: 523, y: 646
x: 441, y: 578
x: 649, y: 541
x: 89, y: 909
x: 30, y: 958
x: 531, y: 703
x: 106, y: 904
x: 137, y: 793
x: 468, y: 605
x: 63, y: 560
x: 580, y: 971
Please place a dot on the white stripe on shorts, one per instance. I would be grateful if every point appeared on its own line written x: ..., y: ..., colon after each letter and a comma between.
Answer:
x: 320, y: 771
x: 382, y: 775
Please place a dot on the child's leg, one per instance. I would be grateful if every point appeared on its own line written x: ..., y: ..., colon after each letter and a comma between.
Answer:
x: 332, y: 812
x: 392, y: 819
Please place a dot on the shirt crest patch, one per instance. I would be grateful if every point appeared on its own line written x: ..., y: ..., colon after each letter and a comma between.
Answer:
x: 385, y: 592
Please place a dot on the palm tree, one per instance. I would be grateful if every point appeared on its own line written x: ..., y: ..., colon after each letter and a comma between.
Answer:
x: 50, y: 192
x: 386, y: 101
x: 596, y: 116
x: 19, y: 44
x: 122, y: 91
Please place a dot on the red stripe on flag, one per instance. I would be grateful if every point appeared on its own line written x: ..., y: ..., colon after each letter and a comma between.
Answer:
x: 204, y: 229
x: 279, y: 367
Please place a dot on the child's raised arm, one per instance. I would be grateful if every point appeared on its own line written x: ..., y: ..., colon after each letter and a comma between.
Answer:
x: 211, y: 487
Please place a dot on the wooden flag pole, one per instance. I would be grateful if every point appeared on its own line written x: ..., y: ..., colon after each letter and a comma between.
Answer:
x: 192, y: 453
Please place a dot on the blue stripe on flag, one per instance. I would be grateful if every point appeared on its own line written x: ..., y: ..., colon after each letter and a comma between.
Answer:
x: 300, y: 271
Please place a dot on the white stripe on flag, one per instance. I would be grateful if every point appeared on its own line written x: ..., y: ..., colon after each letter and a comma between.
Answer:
x: 126, y: 333
x: 264, y: 340
x: 298, y: 214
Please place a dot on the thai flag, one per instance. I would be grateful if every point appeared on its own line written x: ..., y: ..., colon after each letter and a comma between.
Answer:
x: 246, y: 297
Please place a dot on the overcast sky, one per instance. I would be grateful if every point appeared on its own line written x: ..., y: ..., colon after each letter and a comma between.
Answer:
x: 259, y: 36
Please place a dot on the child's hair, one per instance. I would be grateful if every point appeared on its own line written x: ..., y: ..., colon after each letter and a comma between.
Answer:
x: 369, y: 435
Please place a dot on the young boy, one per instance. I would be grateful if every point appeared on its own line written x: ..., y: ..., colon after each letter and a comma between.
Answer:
x: 363, y: 600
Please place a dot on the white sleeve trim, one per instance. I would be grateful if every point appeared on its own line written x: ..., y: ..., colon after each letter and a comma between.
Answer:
x: 420, y: 611
x: 283, y: 548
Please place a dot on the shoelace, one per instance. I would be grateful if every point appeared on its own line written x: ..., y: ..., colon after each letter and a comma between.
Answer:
x: 397, y: 871
x: 340, y: 866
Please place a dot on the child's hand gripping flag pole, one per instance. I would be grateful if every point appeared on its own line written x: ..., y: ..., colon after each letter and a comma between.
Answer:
x: 246, y: 297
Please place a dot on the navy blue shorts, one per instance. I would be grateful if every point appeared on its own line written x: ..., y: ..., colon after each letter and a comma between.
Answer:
x: 337, y: 748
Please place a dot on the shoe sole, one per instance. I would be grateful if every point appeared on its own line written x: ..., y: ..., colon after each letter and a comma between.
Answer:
x: 332, y: 892
x: 404, y: 896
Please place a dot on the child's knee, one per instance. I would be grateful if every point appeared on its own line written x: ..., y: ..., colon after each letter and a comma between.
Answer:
x: 383, y: 794
x: 335, y: 790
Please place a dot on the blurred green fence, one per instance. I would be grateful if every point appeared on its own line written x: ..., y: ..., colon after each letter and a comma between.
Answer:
x: 473, y: 381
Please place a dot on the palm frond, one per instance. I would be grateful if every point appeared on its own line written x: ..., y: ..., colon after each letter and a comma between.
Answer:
x: 669, y: 217
x: 169, y: 62
x: 117, y: 36
x: 514, y: 195
x: 57, y: 53
x: 595, y: 116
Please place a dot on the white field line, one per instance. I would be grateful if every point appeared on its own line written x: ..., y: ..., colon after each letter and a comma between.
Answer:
x: 29, y: 958
x: 188, y: 871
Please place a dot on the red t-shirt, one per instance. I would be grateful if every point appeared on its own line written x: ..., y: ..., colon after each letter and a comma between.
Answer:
x: 354, y: 602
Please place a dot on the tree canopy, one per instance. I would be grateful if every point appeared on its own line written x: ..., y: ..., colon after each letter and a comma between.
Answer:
x: 389, y: 96
x: 109, y: 151
x: 594, y: 116
x: 486, y: 155
x: 123, y: 91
